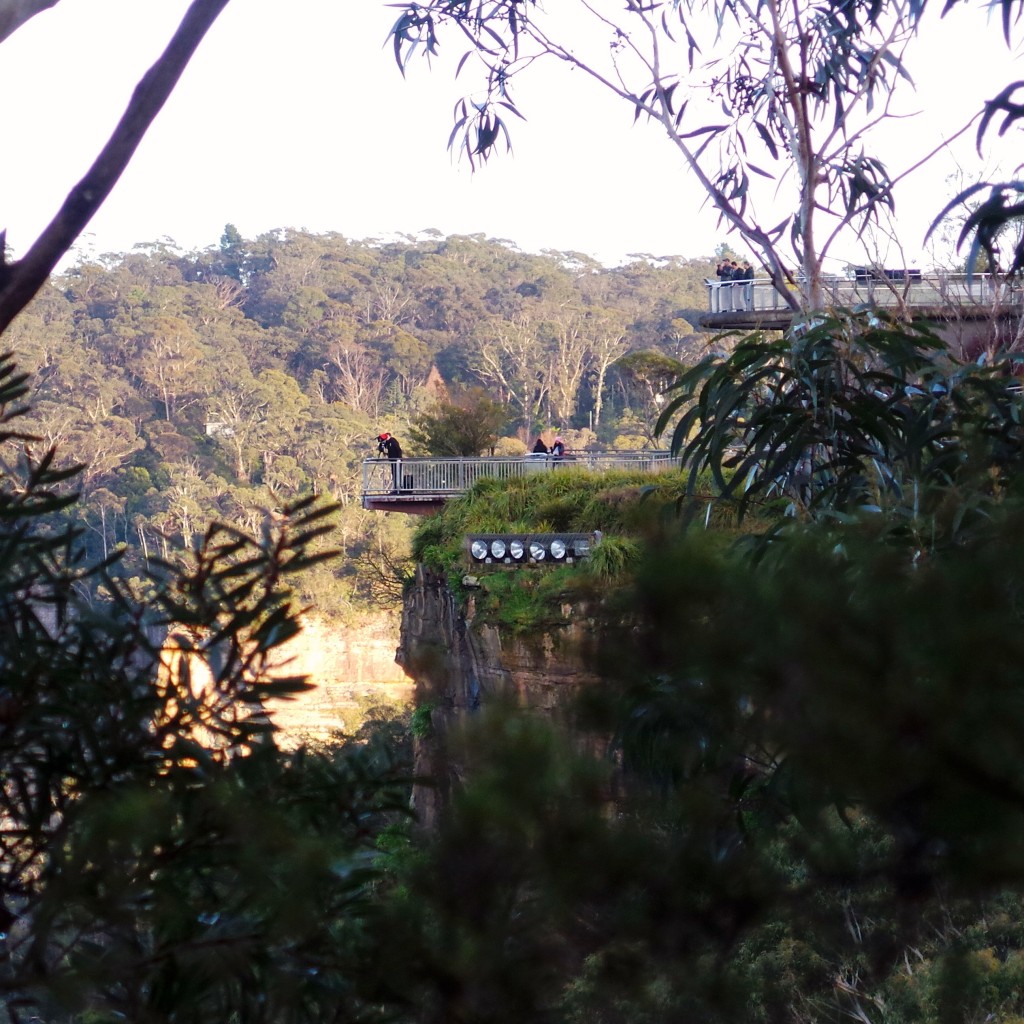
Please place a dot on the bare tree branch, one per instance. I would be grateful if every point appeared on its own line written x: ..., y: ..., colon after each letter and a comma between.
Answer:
x: 20, y: 281
x: 14, y: 14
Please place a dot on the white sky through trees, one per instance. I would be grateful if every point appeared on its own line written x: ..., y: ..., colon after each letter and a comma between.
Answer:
x: 295, y: 115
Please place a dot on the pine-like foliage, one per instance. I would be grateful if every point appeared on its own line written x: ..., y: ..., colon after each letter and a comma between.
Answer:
x: 160, y: 859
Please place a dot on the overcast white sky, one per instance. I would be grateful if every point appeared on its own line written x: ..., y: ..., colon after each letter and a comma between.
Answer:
x: 295, y: 115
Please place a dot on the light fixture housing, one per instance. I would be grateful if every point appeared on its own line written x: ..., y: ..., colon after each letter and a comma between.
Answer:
x: 529, y: 548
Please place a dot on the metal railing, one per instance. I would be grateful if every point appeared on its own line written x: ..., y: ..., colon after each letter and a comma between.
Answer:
x: 447, y: 476
x: 911, y: 290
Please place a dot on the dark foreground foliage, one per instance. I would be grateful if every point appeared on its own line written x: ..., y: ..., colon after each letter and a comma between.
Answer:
x: 814, y: 808
x: 161, y: 859
x: 799, y: 797
x: 812, y: 802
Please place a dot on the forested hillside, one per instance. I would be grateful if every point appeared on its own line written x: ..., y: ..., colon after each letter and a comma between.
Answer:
x: 225, y: 383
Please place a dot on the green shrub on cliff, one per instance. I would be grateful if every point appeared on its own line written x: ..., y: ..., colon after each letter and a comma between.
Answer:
x: 611, y: 558
x: 804, y: 802
x: 571, y: 500
x: 530, y: 600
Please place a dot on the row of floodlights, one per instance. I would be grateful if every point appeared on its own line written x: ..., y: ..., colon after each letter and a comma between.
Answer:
x: 529, y: 548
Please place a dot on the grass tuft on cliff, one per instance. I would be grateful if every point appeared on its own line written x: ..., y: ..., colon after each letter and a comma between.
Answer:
x: 567, y: 501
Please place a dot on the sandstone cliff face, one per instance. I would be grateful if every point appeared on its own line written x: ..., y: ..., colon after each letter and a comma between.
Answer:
x: 457, y: 664
x: 348, y: 667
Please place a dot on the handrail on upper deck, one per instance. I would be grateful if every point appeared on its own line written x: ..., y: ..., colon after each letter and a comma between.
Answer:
x: 913, y: 289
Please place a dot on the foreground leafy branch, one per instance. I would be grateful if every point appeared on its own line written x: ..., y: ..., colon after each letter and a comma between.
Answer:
x: 852, y: 414
x: 772, y: 104
x: 160, y: 857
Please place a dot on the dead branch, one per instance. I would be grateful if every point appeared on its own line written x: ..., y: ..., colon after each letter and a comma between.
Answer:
x: 19, y: 281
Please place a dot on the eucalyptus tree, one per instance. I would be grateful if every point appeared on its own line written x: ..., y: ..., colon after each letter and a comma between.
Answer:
x: 468, y: 423
x: 644, y: 377
x: 169, y: 362
x: 569, y: 358
x: 771, y: 103
x: 332, y: 448
x: 506, y: 356
x: 608, y: 338
x: 234, y: 414
x: 356, y: 374
x: 405, y: 355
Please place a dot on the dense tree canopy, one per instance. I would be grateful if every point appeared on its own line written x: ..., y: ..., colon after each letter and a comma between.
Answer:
x: 222, y: 384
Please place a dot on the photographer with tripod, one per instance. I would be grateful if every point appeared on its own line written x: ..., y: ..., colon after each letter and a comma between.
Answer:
x: 389, y: 447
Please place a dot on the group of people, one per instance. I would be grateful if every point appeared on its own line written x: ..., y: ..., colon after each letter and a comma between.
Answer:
x: 557, y: 449
x: 735, y: 283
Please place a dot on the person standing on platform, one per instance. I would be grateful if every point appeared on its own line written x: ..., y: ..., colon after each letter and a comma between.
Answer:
x: 746, y: 275
x: 388, y: 446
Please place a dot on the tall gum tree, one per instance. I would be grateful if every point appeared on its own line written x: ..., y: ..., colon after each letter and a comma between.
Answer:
x: 771, y: 103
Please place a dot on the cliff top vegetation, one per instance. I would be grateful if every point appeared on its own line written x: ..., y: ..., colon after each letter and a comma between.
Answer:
x: 628, y: 508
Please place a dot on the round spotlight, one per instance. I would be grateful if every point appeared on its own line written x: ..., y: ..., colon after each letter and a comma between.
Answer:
x: 558, y: 549
x: 516, y: 549
x: 478, y: 549
x: 537, y: 551
x: 498, y: 548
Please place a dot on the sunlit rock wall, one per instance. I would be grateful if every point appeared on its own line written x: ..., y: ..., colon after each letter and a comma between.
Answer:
x: 349, y: 666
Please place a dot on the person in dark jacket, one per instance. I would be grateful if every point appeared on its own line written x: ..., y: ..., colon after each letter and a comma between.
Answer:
x: 388, y: 446
x: 746, y: 275
x: 725, y: 274
x: 540, y: 448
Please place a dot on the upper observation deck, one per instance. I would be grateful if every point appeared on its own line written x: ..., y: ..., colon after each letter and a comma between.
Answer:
x: 757, y: 304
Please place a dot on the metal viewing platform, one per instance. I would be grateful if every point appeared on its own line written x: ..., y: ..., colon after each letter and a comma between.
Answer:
x: 422, y: 485
x: 757, y: 304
